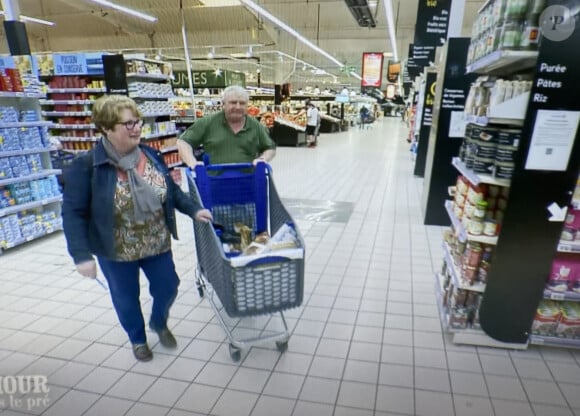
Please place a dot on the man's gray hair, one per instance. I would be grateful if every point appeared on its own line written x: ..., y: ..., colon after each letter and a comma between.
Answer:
x: 235, y: 91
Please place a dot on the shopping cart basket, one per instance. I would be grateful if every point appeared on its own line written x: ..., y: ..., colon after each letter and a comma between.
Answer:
x: 246, y: 285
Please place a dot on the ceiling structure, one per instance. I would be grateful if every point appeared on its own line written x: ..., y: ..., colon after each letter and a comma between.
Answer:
x: 228, y: 29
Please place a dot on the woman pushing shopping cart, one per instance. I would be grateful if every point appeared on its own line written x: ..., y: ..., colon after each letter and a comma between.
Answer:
x: 252, y: 257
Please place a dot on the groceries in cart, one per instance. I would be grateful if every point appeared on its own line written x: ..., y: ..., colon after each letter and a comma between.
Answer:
x: 242, y: 243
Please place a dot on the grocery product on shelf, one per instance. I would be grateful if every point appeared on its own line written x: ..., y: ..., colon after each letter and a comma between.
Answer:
x: 557, y: 319
x: 506, y: 25
x: 30, y: 195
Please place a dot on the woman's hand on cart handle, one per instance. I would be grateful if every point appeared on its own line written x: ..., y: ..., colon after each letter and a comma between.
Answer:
x: 87, y: 268
x: 204, y: 215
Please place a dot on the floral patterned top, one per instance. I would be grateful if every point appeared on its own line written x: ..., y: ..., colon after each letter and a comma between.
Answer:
x: 134, y: 241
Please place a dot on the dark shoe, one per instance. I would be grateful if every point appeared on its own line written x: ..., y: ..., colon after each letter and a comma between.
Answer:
x: 166, y: 338
x: 142, y: 352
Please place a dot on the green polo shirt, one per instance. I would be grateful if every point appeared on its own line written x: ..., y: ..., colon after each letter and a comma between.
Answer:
x: 225, y: 146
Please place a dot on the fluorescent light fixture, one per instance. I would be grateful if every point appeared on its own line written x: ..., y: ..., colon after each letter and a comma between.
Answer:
x: 219, y: 3
x: 391, y: 26
x: 211, y: 53
x: 250, y: 52
x: 126, y: 10
x: 354, y: 74
x: 32, y: 20
x: 387, y: 54
x: 262, y: 12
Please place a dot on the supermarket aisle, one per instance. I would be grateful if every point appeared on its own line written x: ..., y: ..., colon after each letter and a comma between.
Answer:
x: 367, y: 340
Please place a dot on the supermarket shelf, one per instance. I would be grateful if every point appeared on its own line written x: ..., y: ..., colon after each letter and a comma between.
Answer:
x: 10, y: 94
x: 468, y: 336
x: 476, y: 179
x: 25, y: 152
x: 462, y: 233
x: 32, y: 237
x: 77, y: 139
x: 75, y: 90
x: 152, y: 115
x: 569, y: 247
x: 26, y: 124
x: 72, y: 126
x: 39, y: 175
x: 484, y: 121
x: 66, y: 102
x: 174, y: 165
x: 153, y: 77
x: 29, y: 205
x: 162, y: 134
x: 151, y: 97
x: 66, y: 113
x: 570, y: 296
x: 504, y: 62
x: 439, y: 299
x: 555, y: 341
x: 456, y: 275
x: 168, y: 149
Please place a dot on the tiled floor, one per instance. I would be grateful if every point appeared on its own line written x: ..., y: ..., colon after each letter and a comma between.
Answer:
x: 367, y: 340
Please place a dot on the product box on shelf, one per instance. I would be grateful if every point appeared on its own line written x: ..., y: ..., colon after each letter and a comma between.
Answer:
x: 557, y: 319
x: 565, y: 274
x: 571, y: 231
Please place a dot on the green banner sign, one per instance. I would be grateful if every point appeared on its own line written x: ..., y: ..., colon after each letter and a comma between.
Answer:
x: 208, y: 79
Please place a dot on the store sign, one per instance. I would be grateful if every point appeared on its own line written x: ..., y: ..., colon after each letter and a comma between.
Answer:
x: 115, y: 74
x: 372, y: 69
x: 432, y: 22
x: 70, y: 64
x: 208, y: 79
x: 427, y: 117
x: 421, y: 57
x: 554, y: 106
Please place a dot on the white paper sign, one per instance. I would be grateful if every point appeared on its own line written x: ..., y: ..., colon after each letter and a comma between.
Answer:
x: 552, y: 140
x: 457, y: 124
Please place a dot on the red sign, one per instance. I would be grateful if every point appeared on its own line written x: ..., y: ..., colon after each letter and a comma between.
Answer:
x: 372, y: 69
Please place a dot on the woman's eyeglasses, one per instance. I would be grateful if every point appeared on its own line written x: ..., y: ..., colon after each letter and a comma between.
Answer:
x: 131, y: 124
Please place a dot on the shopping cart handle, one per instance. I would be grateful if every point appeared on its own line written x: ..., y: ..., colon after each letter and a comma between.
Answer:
x: 229, y: 166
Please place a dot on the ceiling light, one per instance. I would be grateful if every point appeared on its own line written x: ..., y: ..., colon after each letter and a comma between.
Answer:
x: 363, y: 12
x: 32, y: 20
x: 219, y: 3
x: 250, y: 52
x: 126, y: 10
x: 387, y: 54
x: 211, y: 53
x: 262, y: 12
x: 388, y: 5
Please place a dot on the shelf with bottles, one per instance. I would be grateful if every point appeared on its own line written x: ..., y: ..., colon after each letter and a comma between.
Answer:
x: 466, y: 264
x: 459, y: 315
x: 505, y: 36
x: 459, y: 225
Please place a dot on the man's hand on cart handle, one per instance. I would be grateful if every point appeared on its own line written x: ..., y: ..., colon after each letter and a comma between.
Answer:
x: 204, y: 215
x: 87, y: 269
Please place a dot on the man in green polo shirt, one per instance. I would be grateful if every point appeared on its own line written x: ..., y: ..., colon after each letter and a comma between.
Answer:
x: 230, y: 136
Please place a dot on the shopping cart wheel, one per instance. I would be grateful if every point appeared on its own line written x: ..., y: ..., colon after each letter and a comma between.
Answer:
x: 282, y: 346
x: 199, y: 288
x: 235, y: 353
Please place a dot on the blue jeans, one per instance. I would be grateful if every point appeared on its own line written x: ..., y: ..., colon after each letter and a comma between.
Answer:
x: 123, y: 280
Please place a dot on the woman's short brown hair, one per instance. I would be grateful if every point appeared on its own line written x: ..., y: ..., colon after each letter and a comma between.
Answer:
x: 107, y: 110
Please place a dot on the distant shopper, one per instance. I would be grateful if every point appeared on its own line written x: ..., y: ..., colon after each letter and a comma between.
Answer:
x: 229, y: 136
x: 119, y: 205
x: 311, y: 123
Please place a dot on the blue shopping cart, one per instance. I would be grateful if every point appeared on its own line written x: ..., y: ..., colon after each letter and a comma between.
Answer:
x: 245, y: 285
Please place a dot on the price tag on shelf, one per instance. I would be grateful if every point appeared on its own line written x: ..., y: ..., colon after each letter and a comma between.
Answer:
x: 538, y: 340
x: 557, y: 296
x: 565, y: 248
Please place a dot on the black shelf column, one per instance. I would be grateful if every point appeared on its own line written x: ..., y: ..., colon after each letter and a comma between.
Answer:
x: 528, y: 239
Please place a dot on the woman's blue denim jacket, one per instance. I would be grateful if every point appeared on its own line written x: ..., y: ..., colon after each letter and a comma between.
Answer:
x: 88, y: 212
